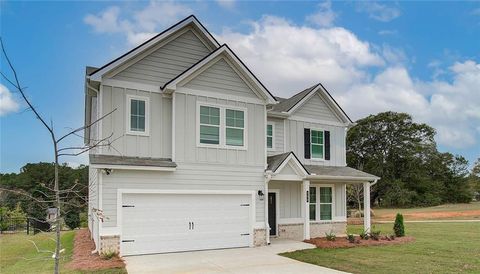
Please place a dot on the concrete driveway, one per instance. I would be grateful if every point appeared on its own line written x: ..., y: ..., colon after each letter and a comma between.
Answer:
x: 236, y: 260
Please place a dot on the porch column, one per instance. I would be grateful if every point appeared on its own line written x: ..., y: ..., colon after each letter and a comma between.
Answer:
x: 366, y: 206
x: 305, y: 209
x: 265, y: 200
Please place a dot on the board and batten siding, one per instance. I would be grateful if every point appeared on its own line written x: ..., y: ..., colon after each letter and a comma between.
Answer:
x: 295, y: 142
x: 290, y: 199
x: 278, y: 136
x: 221, y: 77
x: 166, y: 62
x: 186, y: 177
x: 159, y: 142
x: 186, y: 149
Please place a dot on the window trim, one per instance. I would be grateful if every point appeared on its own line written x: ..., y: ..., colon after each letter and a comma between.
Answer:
x: 146, y: 99
x: 223, y: 128
x: 273, y: 136
x: 219, y: 126
x: 311, y: 143
x: 317, y: 204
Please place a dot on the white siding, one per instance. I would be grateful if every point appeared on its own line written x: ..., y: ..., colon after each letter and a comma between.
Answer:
x: 279, y: 137
x: 290, y: 202
x: 192, y: 177
x: 159, y: 142
x: 221, y: 77
x: 93, y: 221
x: 167, y: 62
x: 316, y: 108
x: 186, y: 150
x: 295, y: 142
x: 340, y: 200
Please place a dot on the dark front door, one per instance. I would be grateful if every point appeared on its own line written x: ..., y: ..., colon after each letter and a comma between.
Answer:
x: 272, y: 213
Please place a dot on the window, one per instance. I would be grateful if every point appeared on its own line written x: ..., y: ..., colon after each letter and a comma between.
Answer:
x: 138, y: 111
x: 234, y: 127
x: 209, y: 125
x: 316, y: 144
x: 221, y: 126
x: 270, y: 136
x: 321, y: 203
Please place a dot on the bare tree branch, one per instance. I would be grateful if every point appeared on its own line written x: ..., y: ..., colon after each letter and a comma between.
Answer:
x: 85, y: 126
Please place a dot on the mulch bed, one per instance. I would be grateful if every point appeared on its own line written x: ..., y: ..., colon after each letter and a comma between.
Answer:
x: 83, y: 259
x: 342, y: 242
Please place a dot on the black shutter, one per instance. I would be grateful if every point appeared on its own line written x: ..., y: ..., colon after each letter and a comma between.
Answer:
x: 306, y: 142
x: 327, y: 145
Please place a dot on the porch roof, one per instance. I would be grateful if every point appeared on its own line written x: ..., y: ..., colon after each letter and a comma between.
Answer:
x: 339, y: 172
x: 99, y: 159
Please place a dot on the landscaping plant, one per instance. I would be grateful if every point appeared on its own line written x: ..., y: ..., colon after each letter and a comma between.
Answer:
x: 364, y: 235
x: 330, y: 236
x: 375, y: 234
x: 351, y: 238
x: 399, y: 227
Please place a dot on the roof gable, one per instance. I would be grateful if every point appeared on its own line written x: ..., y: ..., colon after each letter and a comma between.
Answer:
x: 165, y: 60
x: 191, y: 21
x: 316, y: 107
x: 286, y: 166
x: 233, y: 62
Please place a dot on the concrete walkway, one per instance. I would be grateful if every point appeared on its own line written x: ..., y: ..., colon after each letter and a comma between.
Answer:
x: 235, y: 260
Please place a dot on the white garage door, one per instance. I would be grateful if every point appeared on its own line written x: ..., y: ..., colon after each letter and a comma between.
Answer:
x: 156, y: 223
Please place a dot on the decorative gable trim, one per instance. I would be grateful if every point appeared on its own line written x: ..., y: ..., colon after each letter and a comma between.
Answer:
x: 249, y: 78
x: 292, y: 161
x: 190, y: 20
x: 325, y: 95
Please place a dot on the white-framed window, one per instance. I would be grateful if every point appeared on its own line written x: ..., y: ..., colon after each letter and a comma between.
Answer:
x: 321, y: 199
x: 234, y: 127
x: 138, y: 115
x: 270, y: 136
x: 317, y: 144
x: 209, y: 125
x: 221, y: 126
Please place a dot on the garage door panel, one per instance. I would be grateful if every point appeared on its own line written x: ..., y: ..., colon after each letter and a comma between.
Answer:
x: 156, y: 223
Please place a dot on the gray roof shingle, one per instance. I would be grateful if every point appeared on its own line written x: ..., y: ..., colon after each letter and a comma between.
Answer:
x: 131, y: 161
x: 287, y: 104
x: 338, y: 171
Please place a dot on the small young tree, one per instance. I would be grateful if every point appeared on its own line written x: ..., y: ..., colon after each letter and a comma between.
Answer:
x: 399, y: 227
x: 58, y: 195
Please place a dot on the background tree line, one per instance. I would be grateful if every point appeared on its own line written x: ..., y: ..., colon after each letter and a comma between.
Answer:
x: 413, y: 172
x: 31, y: 188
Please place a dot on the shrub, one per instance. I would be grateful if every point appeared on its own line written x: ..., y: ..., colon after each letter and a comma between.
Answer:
x: 330, y: 236
x: 364, y: 235
x: 72, y: 219
x: 83, y: 220
x: 351, y: 238
x: 375, y: 234
x: 108, y: 254
x: 399, y: 227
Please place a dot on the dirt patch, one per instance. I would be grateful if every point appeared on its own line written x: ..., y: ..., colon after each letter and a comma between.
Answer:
x: 83, y: 259
x: 344, y: 243
x: 433, y: 215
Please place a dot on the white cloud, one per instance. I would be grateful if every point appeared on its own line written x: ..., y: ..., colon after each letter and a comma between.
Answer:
x: 144, y: 23
x: 7, y: 102
x: 378, y: 11
x: 289, y: 58
x: 228, y: 4
x: 324, y: 17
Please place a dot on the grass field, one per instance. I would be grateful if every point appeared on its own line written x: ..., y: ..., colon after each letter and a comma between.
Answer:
x: 441, y: 212
x: 19, y: 255
x: 439, y: 248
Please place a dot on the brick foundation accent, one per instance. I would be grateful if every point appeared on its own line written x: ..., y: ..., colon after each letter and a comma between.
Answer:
x: 110, y: 243
x: 319, y: 229
x: 290, y: 231
x: 259, y: 237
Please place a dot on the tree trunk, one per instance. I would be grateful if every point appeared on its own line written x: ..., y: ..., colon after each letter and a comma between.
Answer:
x: 57, y: 220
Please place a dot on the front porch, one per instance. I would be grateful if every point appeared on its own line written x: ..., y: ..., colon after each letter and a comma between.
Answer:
x: 306, y: 202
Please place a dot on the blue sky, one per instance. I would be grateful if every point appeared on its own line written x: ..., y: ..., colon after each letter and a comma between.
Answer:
x: 419, y: 57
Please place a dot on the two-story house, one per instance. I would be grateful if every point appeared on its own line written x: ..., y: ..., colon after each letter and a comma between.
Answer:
x: 201, y: 155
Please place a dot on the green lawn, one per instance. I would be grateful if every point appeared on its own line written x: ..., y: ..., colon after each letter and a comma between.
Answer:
x: 18, y: 254
x: 439, y: 248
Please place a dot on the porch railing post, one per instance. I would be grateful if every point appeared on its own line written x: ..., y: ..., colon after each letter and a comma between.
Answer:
x: 366, y: 206
x: 305, y: 209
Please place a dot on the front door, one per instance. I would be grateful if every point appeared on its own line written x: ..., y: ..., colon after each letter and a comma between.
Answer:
x: 272, y: 212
